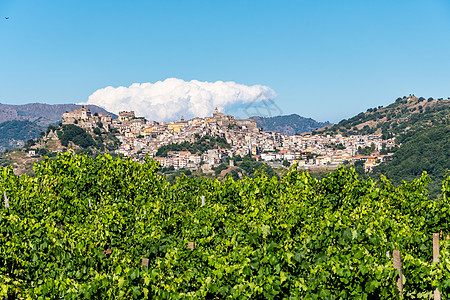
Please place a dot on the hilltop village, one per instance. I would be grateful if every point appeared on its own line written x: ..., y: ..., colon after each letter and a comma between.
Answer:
x: 140, y: 138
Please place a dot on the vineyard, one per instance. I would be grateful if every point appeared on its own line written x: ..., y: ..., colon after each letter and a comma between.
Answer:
x: 105, y: 228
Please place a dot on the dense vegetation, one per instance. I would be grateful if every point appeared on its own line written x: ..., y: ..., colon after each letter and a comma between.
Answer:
x: 424, y: 150
x: 244, y: 167
x: 75, y: 134
x: 81, y: 227
x: 248, y: 166
x: 99, y: 141
x: 289, y: 124
x: 200, y: 146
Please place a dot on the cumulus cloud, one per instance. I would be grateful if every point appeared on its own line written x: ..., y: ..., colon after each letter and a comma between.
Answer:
x: 169, y: 99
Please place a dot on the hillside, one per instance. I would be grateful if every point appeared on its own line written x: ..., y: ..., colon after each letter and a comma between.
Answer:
x: 289, y: 124
x: 424, y: 150
x: 407, y: 113
x: 15, y: 133
x: 422, y: 130
x: 19, y: 123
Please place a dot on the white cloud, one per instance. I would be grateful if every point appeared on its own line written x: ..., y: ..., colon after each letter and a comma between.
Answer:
x: 169, y: 99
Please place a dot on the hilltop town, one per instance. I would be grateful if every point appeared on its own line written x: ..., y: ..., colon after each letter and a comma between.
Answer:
x: 140, y: 138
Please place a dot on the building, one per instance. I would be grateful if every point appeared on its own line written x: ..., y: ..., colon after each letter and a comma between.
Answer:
x: 71, y: 117
x: 126, y: 115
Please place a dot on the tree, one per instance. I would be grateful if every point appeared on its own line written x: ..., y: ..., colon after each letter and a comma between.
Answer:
x: 234, y: 175
x: 75, y: 134
x: 29, y: 143
x: 97, y: 131
x: 286, y: 163
x: 219, y: 169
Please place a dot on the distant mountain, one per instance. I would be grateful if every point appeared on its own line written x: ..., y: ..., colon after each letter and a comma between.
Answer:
x: 289, y: 125
x: 19, y: 123
x: 41, y: 113
x: 14, y: 134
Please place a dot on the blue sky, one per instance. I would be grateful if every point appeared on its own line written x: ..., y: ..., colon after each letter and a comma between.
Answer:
x: 325, y: 59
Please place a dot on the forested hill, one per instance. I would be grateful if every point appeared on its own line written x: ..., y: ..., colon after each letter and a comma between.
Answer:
x: 423, y: 150
x: 407, y: 113
x: 289, y: 124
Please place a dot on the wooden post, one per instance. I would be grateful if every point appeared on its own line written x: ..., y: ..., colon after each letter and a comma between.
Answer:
x: 191, y: 245
x: 437, y: 294
x: 398, y: 265
x: 6, y: 200
x: 203, y: 201
x: 145, y: 262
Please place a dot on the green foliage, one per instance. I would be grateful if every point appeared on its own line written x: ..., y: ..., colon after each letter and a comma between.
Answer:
x: 250, y: 166
x: 200, y: 146
x: 75, y: 134
x: 425, y: 150
x: 97, y: 131
x: 4, y: 160
x: 219, y: 169
x: 168, y: 169
x: 367, y: 150
x: 30, y: 143
x: 80, y: 228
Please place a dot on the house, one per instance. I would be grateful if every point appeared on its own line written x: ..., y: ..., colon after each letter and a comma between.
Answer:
x: 289, y: 155
x: 176, y: 126
x: 268, y: 156
x: 126, y: 115
x: 257, y: 157
x: 370, y: 163
x: 83, y: 113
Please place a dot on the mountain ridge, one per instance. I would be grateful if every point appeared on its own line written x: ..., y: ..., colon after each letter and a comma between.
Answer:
x: 289, y: 124
x: 43, y: 111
